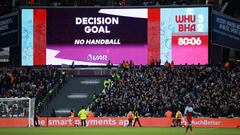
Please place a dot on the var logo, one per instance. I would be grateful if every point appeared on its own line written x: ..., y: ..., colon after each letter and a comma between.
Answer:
x: 91, y: 57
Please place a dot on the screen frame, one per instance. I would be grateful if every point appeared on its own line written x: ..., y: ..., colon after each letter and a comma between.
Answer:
x: 113, y: 7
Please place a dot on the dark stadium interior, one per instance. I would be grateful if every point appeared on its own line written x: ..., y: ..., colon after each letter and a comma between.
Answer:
x: 112, y: 91
x: 81, y: 89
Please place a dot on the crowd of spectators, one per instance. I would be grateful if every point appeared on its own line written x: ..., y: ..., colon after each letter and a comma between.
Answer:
x: 28, y: 82
x: 213, y: 90
x: 14, y: 108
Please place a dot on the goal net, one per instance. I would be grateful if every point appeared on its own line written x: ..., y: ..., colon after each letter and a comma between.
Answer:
x: 16, y: 112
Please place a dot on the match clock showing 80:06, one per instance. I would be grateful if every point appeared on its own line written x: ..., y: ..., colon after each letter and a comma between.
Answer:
x: 189, y: 41
x: 197, y: 39
x: 190, y: 31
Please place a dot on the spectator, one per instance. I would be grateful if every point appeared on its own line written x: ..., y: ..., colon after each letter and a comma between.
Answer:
x: 131, y: 64
x: 109, y: 64
x: 71, y: 114
x: 172, y: 65
x: 73, y: 65
x: 53, y: 113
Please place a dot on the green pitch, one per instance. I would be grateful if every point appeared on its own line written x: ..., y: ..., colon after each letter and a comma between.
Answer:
x: 115, y: 131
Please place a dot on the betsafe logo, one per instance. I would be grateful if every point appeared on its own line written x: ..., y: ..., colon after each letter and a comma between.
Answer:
x: 93, y: 57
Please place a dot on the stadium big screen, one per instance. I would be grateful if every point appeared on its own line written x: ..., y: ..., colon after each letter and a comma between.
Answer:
x: 93, y: 36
